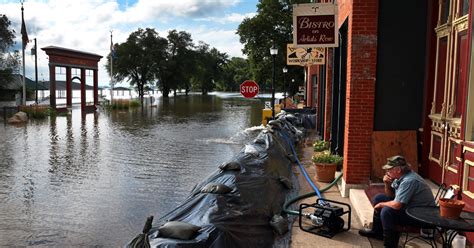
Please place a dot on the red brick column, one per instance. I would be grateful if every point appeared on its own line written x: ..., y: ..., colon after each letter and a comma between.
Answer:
x: 328, y: 101
x: 360, y: 93
x: 311, y: 70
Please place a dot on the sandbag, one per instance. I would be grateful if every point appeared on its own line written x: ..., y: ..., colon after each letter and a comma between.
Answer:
x: 216, y: 188
x: 279, y: 224
x: 230, y: 166
x: 178, y: 230
x: 286, y: 182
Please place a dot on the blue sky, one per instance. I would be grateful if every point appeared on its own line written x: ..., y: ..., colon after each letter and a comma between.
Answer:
x: 85, y: 24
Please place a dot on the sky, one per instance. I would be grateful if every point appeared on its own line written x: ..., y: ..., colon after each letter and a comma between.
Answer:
x: 85, y: 25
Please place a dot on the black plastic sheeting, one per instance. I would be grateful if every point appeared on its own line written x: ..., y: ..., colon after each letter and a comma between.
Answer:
x: 260, y: 179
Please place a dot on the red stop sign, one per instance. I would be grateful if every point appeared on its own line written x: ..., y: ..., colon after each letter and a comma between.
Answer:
x: 249, y: 89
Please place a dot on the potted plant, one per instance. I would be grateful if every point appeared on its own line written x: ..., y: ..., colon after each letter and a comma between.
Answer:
x: 326, y: 165
x: 320, y: 145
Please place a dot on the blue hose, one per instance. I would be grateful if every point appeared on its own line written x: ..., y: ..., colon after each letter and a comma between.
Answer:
x: 303, y: 170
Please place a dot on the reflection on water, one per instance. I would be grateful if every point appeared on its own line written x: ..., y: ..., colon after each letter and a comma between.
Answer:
x: 93, y: 179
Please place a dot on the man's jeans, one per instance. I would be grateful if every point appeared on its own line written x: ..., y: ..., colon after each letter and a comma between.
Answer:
x: 389, y: 217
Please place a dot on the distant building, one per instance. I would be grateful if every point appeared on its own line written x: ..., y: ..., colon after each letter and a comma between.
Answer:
x: 8, y: 90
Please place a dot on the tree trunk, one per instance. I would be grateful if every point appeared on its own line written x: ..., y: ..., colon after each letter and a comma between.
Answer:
x: 166, y: 92
x: 140, y: 93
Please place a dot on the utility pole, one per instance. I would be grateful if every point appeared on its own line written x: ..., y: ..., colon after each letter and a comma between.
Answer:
x: 36, y: 72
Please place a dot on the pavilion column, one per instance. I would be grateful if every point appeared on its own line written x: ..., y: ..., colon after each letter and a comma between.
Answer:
x: 52, y: 86
x: 83, y: 89
x: 68, y: 88
x: 96, y: 89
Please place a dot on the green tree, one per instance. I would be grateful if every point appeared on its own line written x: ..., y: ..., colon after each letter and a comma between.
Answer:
x: 9, y: 62
x: 235, y: 72
x: 180, y: 62
x: 272, y: 26
x: 140, y: 60
x: 209, y: 69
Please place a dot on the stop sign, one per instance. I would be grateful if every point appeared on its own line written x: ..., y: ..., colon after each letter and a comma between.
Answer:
x: 249, y: 89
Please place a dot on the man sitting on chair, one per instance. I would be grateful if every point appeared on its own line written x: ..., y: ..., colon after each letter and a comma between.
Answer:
x: 403, y: 188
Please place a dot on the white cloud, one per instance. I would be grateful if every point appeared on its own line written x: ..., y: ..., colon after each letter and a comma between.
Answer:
x: 85, y: 25
x: 224, y: 40
x: 232, y: 18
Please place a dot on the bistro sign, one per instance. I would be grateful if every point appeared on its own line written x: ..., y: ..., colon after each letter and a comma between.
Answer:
x: 315, y: 25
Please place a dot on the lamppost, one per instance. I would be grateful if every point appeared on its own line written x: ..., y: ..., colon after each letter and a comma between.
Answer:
x: 273, y: 52
x: 285, y: 70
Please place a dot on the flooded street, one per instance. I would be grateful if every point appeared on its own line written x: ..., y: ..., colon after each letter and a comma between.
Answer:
x: 73, y: 181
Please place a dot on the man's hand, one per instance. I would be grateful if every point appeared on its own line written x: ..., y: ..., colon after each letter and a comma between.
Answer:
x: 391, y: 204
x: 379, y: 206
x: 387, y: 179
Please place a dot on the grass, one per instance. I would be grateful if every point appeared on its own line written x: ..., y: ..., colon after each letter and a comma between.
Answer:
x: 37, y: 111
x: 124, y: 104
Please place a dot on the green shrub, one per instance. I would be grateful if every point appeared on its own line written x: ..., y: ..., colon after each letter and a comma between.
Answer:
x: 327, y: 159
x: 36, y: 112
x: 135, y: 103
x: 124, y: 104
x: 320, y: 145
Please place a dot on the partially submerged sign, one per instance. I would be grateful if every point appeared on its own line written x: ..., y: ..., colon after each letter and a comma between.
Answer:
x: 315, y: 25
x: 304, y: 55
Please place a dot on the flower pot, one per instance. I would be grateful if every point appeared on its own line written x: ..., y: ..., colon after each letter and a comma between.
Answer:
x: 325, y: 172
x: 450, y: 208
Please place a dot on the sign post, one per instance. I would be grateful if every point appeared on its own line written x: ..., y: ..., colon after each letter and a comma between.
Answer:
x: 249, y: 89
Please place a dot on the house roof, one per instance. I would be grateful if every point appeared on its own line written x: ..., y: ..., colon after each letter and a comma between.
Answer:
x: 17, y: 83
x: 61, y: 85
x: 121, y: 88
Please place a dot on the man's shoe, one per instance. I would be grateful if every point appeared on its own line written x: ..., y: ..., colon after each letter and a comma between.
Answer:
x: 369, y: 233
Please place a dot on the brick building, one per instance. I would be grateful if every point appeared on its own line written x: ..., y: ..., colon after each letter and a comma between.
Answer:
x: 400, y: 82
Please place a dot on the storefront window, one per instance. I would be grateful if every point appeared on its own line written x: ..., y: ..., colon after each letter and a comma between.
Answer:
x: 470, y: 109
x: 469, y: 134
x: 464, y: 7
x: 444, y: 11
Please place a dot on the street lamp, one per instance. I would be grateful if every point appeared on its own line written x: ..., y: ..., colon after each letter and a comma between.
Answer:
x: 285, y: 70
x: 273, y: 52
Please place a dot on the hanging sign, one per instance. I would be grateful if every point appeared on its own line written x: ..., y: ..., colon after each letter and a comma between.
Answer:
x: 304, y: 56
x: 315, y: 25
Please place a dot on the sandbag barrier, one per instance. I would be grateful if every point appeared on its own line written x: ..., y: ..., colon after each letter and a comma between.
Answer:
x: 241, y: 203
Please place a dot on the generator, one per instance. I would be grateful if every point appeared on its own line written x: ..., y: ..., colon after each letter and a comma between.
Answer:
x: 325, y: 217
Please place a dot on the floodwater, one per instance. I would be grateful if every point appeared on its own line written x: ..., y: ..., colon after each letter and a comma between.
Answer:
x: 93, y: 180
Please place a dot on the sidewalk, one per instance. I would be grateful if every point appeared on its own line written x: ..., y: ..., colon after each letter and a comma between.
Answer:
x: 300, y: 238
x: 351, y: 238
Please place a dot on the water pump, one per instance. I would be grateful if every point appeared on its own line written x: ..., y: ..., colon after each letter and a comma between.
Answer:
x: 325, y: 217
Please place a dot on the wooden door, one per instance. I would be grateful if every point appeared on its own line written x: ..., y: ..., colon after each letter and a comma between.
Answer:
x: 450, y: 80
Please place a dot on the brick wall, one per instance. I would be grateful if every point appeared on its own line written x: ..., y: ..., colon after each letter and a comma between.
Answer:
x: 311, y: 70
x: 328, y: 101
x: 361, y: 72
